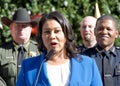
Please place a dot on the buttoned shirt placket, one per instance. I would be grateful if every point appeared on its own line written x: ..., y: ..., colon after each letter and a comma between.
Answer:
x: 107, y: 70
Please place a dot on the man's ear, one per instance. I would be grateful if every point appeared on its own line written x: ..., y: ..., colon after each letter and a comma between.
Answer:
x: 11, y: 25
x: 117, y: 33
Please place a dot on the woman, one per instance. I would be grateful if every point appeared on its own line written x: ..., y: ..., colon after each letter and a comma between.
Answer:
x: 60, y: 64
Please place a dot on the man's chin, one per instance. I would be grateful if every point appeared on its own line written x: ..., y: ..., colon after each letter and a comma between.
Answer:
x: 87, y: 38
x: 22, y: 37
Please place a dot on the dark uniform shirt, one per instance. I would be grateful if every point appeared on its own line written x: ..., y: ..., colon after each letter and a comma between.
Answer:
x: 109, y: 68
x: 82, y: 48
x: 8, y: 59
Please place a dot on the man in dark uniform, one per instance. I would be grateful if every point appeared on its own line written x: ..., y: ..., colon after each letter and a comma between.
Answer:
x: 21, y: 47
x: 87, y: 26
x: 107, y: 55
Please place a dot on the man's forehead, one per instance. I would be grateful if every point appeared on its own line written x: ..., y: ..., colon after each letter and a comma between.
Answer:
x: 108, y: 21
x: 88, y: 23
x: 21, y: 23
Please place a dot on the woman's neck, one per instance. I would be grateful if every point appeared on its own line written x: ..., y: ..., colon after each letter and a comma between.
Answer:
x: 58, y: 58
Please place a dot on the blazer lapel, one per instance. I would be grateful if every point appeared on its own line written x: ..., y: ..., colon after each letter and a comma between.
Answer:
x: 43, y: 78
x: 74, y: 77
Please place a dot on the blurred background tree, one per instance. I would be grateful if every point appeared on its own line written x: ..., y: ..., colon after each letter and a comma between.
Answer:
x: 74, y: 10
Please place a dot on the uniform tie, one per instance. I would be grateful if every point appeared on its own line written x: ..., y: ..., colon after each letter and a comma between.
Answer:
x: 20, y: 56
x: 107, y: 70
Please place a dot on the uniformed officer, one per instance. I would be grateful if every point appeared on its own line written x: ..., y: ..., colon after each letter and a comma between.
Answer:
x: 87, y: 26
x: 12, y: 53
x: 105, y: 53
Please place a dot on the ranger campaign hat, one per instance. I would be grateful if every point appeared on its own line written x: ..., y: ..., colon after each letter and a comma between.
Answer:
x: 20, y: 16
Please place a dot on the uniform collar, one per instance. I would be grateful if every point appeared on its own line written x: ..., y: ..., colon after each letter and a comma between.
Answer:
x: 24, y: 45
x: 112, y: 50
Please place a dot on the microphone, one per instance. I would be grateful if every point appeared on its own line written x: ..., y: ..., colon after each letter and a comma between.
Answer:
x: 47, y: 57
x: 50, y: 53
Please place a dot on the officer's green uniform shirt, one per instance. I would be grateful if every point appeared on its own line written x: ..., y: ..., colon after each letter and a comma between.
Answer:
x: 8, y: 59
x: 2, y: 82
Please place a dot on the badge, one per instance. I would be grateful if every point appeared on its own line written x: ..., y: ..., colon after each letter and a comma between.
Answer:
x: 32, y: 53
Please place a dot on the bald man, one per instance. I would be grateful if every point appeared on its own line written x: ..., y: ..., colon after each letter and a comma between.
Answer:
x: 87, y: 26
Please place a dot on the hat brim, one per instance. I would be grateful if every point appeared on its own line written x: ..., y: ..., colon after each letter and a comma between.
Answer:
x: 7, y: 22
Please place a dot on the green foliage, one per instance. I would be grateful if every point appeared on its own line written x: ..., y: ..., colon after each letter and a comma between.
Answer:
x: 74, y: 10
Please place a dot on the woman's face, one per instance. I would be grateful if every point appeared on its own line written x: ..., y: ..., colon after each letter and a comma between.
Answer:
x: 53, y: 36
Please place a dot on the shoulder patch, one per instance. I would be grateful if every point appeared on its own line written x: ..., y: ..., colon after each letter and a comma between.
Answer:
x: 6, y: 44
x: 117, y: 47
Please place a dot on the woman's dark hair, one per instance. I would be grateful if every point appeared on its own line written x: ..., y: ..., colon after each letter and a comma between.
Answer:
x: 67, y: 30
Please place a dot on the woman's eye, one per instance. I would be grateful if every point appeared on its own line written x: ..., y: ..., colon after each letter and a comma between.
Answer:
x: 47, y: 32
x: 56, y: 31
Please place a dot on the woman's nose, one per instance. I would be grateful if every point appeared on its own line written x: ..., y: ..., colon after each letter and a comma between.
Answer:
x: 52, y: 35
